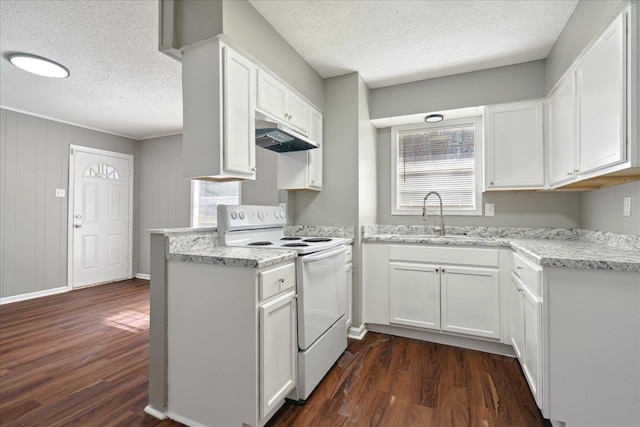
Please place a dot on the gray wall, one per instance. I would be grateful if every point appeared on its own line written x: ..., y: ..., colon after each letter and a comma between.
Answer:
x: 34, y: 161
x: 249, y: 30
x: 164, y: 195
x: 493, y: 86
x: 588, y: 20
x: 602, y: 209
x: 337, y: 203
x: 522, y: 209
x: 264, y: 190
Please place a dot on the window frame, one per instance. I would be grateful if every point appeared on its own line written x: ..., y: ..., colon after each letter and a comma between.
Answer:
x: 192, y: 211
x: 476, y: 121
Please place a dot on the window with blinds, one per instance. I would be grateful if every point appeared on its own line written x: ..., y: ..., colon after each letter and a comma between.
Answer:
x: 443, y: 158
x: 205, y: 198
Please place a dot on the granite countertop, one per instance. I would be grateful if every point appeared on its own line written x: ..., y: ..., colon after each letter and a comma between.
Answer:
x: 570, y: 248
x: 203, y: 246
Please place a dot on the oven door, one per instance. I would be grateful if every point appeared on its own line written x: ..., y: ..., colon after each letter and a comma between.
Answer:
x: 322, y: 293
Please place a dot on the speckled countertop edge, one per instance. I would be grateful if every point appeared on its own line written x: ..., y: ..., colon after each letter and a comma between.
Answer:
x: 569, y: 248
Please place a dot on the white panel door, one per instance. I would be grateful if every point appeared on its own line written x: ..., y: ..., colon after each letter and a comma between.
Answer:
x: 414, y: 295
x: 100, y: 219
x: 601, y: 86
x: 239, y: 117
x: 278, y: 351
x: 514, y: 146
x: 470, y: 301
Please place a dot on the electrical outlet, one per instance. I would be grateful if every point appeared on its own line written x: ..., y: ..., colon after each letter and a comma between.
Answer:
x: 60, y: 192
x: 489, y: 209
x: 626, y: 206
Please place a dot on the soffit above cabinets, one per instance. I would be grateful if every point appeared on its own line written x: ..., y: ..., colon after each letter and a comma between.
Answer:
x: 393, y: 42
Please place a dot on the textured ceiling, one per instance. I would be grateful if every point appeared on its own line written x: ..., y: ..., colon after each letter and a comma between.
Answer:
x: 119, y: 80
x: 396, y: 41
x: 121, y: 84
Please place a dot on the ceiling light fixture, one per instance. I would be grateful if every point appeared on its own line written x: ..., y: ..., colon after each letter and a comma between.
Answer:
x: 433, y: 118
x: 38, y: 65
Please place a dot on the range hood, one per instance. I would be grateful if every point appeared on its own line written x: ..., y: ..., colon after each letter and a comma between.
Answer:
x: 275, y: 135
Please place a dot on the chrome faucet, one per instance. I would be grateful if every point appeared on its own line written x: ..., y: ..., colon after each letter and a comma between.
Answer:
x: 439, y: 230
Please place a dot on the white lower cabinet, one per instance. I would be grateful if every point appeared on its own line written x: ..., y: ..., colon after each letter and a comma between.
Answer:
x: 470, y: 301
x: 457, y: 293
x: 414, y: 295
x: 277, y: 351
x: 231, y: 342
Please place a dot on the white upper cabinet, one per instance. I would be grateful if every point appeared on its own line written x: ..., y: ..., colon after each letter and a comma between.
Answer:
x: 601, y: 100
x: 275, y: 98
x: 514, y: 146
x: 302, y: 170
x: 561, y: 132
x: 219, y: 97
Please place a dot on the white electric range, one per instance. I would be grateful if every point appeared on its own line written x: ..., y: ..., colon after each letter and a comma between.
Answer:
x: 320, y: 284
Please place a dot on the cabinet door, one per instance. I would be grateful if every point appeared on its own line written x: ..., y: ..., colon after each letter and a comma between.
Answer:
x: 414, y: 295
x: 532, y: 308
x: 239, y: 117
x: 601, y: 86
x: 349, y: 273
x: 562, y: 132
x: 298, y: 113
x: 517, y: 317
x: 272, y: 95
x: 471, y: 301
x: 278, y: 351
x: 514, y: 146
x: 315, y: 155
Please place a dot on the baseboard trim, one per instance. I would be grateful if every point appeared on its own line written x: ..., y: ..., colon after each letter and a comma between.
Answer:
x: 155, y: 413
x: 143, y: 276
x: 439, y: 338
x: 32, y: 295
x: 357, y: 333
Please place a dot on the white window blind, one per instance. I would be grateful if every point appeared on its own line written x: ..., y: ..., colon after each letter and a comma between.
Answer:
x: 205, y: 198
x: 441, y: 159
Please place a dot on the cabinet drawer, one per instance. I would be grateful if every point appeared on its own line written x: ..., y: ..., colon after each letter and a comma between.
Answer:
x: 529, y: 273
x: 348, y: 255
x: 440, y: 255
x: 277, y: 280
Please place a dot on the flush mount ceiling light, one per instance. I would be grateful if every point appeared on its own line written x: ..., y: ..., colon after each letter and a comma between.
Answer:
x: 433, y: 118
x: 38, y: 65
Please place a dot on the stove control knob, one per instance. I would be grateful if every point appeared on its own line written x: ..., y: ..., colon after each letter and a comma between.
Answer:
x: 260, y: 215
x: 241, y: 215
x: 283, y: 215
x: 277, y: 214
x: 234, y: 215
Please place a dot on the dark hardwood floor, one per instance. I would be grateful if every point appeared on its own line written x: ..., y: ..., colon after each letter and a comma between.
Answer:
x: 81, y: 359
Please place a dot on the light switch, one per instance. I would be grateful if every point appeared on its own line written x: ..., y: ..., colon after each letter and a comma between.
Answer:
x: 626, y: 206
x: 60, y: 192
x: 489, y: 209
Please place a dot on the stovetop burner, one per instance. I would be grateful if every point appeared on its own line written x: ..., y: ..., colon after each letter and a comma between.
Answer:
x: 263, y: 243
x: 295, y: 245
x: 317, y: 239
x: 291, y: 238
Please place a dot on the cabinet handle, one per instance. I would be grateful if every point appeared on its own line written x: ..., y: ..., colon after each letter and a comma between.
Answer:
x: 519, y: 268
x: 437, y: 270
x: 253, y: 169
x: 491, y: 183
x: 443, y: 271
x: 569, y: 173
x: 280, y: 282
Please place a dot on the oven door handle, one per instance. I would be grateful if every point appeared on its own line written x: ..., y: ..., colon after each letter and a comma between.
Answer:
x: 323, y: 254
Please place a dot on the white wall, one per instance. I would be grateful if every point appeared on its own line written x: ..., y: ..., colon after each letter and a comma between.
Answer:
x: 165, y: 195
x: 34, y: 162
